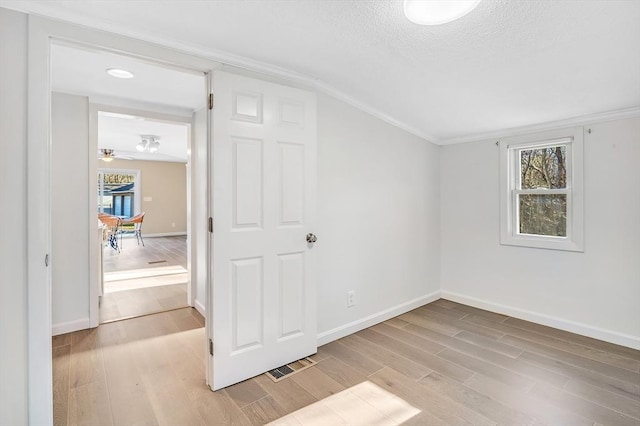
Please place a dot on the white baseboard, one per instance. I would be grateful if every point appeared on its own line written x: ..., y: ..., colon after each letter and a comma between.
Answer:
x: 71, y: 326
x: 548, y: 320
x: 163, y: 234
x: 199, y: 307
x: 360, y: 324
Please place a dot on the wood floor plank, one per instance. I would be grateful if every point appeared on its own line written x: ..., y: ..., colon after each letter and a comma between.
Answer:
x: 61, y: 355
x: 355, y: 411
x: 484, y: 342
x: 487, y: 369
x: 470, y: 310
x: 440, y: 410
x: 150, y: 370
x: 433, y: 362
x: 596, y: 412
x: 489, y: 332
x: 626, y: 389
x: 516, y: 365
x: 482, y: 404
x: 396, y: 322
x: 317, y: 383
x: 448, y: 312
x: 577, y: 349
x: 408, y: 367
x: 216, y: 408
x: 439, y: 326
x: 89, y: 404
x: 85, y: 359
x: 340, y: 372
x: 353, y: 358
x: 61, y: 340
x: 569, y: 358
x: 574, y: 338
x: 409, y: 338
x: 605, y: 398
x: 542, y: 411
x: 290, y: 395
x: 263, y: 411
x: 246, y: 392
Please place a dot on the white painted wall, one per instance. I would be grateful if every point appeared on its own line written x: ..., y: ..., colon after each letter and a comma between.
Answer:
x: 596, y: 292
x: 70, y: 212
x: 378, y: 215
x: 13, y: 214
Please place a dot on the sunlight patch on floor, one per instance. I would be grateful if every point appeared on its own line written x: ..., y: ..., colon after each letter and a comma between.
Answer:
x: 144, y: 278
x: 143, y: 273
x: 362, y: 404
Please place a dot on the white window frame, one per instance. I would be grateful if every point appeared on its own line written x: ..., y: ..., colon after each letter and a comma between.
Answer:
x: 510, y: 177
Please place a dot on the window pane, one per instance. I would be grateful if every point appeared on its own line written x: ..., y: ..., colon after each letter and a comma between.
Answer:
x: 543, y: 168
x: 543, y: 214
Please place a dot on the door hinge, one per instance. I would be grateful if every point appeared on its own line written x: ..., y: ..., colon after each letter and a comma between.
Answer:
x: 210, y: 347
x: 210, y: 100
x: 210, y: 226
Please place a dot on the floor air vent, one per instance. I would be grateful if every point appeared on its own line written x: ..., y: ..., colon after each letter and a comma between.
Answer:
x: 290, y: 369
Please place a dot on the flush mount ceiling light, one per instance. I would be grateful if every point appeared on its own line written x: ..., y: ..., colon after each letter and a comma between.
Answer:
x: 119, y: 73
x: 436, y: 12
x: 149, y: 143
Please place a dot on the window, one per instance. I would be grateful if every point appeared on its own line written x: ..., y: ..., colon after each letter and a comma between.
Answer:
x: 118, y: 192
x: 541, y: 190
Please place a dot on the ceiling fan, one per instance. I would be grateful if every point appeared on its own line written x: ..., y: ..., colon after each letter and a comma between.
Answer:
x: 108, y: 155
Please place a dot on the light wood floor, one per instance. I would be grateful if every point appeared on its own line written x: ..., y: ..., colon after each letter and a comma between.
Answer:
x: 157, y: 252
x: 441, y: 364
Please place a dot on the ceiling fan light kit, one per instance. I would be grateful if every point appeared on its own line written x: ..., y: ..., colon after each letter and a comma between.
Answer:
x: 148, y: 143
x: 437, y: 12
x: 107, y: 155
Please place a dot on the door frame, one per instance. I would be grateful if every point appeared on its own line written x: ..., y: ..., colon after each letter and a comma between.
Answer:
x: 95, y: 272
x: 41, y: 33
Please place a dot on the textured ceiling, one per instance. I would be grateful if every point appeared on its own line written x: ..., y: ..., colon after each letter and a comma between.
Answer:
x: 504, y: 65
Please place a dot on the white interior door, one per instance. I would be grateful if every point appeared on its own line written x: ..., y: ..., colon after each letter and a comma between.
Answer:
x: 263, y: 180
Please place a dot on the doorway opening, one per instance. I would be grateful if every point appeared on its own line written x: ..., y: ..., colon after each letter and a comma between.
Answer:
x: 125, y: 149
x: 142, y: 204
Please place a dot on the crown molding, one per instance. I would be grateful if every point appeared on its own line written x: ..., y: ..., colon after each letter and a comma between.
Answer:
x: 50, y: 11
x: 549, y: 125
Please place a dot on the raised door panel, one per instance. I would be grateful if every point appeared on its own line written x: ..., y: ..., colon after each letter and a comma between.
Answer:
x: 247, y: 290
x: 247, y: 183
x: 292, y: 183
x: 291, y: 295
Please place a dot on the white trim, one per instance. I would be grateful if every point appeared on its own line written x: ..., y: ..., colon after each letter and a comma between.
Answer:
x: 549, y: 125
x: 215, y: 55
x: 548, y: 320
x: 362, y: 323
x: 509, y: 177
x: 40, y: 366
x: 71, y: 326
x: 178, y: 114
x: 200, y: 308
x: 40, y: 33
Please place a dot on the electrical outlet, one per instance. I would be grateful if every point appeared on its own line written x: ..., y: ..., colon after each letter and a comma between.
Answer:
x: 351, y: 298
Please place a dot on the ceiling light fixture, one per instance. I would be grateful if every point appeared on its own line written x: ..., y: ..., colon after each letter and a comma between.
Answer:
x: 119, y: 73
x: 437, y: 12
x: 107, y: 155
x: 149, y: 143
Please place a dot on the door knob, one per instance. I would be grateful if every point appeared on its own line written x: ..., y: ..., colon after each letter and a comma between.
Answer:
x: 311, y: 238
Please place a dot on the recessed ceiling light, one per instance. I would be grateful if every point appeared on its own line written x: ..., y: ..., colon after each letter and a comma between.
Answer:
x: 436, y: 12
x: 119, y: 73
